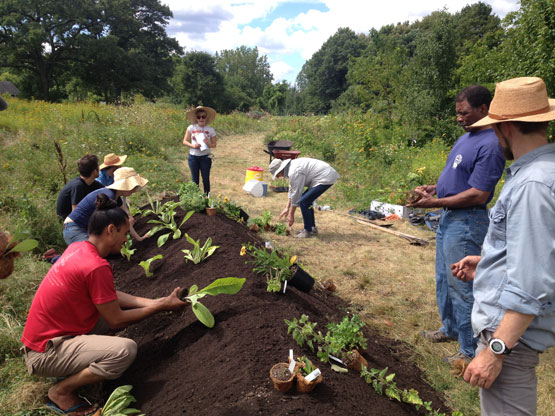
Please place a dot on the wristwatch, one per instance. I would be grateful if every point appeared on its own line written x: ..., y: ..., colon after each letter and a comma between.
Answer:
x: 498, y: 347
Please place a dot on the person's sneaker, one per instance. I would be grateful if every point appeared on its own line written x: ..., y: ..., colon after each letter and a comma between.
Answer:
x: 435, y: 336
x: 314, y: 231
x: 450, y: 359
x: 49, y: 254
x: 303, y: 234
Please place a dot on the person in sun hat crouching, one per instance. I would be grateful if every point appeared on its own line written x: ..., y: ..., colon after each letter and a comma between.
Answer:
x: 514, y: 278
x: 111, y: 163
x: 76, y: 305
x: 316, y: 175
x: 126, y: 183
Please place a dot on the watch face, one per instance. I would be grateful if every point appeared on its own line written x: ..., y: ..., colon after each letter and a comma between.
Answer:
x: 497, y: 347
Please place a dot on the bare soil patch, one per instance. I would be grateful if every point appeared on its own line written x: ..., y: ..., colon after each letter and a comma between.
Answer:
x: 185, y: 368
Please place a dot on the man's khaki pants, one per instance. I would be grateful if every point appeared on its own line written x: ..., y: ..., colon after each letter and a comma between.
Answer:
x: 105, y: 356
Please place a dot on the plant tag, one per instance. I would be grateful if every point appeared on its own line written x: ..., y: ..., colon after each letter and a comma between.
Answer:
x: 284, y: 286
x: 267, y: 244
x: 314, y: 375
x: 292, y: 363
x: 336, y: 359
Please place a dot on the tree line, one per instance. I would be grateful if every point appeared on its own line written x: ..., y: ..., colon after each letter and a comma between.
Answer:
x: 407, y: 73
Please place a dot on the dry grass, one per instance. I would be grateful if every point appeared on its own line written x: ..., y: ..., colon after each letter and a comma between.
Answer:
x: 389, y: 282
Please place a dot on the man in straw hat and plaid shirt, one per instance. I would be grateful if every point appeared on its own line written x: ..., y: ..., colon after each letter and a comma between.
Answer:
x: 514, y: 279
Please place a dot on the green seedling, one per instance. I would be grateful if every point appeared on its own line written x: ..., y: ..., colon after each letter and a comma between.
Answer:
x: 308, y: 367
x: 119, y: 401
x: 155, y: 207
x: 275, y: 267
x: 226, y: 285
x: 171, y: 225
x: 199, y: 253
x: 145, y: 264
x: 281, y: 229
x: 126, y: 250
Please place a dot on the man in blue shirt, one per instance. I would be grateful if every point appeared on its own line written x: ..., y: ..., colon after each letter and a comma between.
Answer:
x: 112, y: 162
x: 514, y: 280
x: 463, y: 190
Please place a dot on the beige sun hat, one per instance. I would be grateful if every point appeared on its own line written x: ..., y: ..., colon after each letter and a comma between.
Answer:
x: 192, y: 114
x: 520, y: 99
x: 126, y: 179
x: 111, y: 159
x: 277, y: 165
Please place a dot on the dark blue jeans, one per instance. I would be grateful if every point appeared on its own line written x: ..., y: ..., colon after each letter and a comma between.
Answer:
x: 460, y: 233
x: 306, y: 201
x: 200, y: 164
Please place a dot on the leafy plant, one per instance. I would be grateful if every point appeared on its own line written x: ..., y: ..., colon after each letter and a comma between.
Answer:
x: 167, y: 221
x: 226, y: 285
x: 303, y: 332
x: 264, y: 221
x: 145, y: 264
x: 199, y: 253
x: 119, y: 401
x: 229, y: 208
x: 126, y: 250
x: 280, y: 183
x: 191, y: 197
x: 308, y: 367
x: 281, y: 229
x: 155, y: 207
x: 270, y: 263
x: 348, y: 332
x: 384, y: 383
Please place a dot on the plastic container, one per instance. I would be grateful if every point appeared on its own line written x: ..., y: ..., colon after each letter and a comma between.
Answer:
x: 264, y: 189
x: 254, y: 172
x: 254, y: 187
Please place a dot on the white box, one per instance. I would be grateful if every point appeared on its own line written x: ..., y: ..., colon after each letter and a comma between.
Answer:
x: 389, y: 209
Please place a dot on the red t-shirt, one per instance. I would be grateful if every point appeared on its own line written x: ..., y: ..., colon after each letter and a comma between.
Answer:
x: 65, y: 300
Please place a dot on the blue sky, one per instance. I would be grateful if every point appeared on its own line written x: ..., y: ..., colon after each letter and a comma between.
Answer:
x: 289, y: 32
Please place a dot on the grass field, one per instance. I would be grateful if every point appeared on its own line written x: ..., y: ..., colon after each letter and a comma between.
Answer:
x: 389, y: 282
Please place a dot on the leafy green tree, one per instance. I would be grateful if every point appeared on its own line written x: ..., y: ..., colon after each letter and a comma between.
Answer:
x: 111, y: 46
x: 274, y: 97
x: 323, y: 78
x: 198, y: 81
x: 245, y: 75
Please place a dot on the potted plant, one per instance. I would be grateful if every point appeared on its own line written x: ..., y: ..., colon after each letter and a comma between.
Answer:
x: 329, y: 285
x: 282, y: 377
x: 300, y: 278
x: 279, y: 185
x: 9, y: 250
x: 308, y: 376
x: 354, y: 360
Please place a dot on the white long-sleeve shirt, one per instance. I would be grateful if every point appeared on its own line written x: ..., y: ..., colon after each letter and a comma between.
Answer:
x: 308, y: 172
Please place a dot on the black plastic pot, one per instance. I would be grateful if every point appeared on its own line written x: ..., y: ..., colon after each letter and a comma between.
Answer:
x: 301, y: 279
x: 243, y: 215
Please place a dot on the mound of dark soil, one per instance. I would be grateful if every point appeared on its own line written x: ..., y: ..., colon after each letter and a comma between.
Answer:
x: 183, y: 367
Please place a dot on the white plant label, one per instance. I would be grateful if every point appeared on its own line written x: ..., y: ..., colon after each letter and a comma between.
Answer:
x: 292, y: 366
x: 314, y: 375
x: 336, y: 359
x: 284, y: 286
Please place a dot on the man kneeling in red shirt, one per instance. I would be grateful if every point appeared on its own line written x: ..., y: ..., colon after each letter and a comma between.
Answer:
x: 75, y: 303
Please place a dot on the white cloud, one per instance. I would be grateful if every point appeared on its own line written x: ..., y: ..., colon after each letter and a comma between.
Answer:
x: 214, y: 25
x: 281, y: 70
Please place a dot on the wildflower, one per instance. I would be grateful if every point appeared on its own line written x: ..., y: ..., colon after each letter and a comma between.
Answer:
x: 225, y: 199
x: 293, y: 259
x: 243, y: 251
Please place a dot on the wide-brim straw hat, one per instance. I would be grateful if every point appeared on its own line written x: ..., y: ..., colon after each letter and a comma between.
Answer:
x: 192, y: 114
x: 3, y: 104
x: 277, y: 165
x: 520, y: 99
x: 126, y: 179
x: 111, y: 159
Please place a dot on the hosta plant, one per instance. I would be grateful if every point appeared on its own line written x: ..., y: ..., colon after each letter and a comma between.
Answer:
x: 126, y: 250
x: 145, y: 264
x: 118, y: 403
x: 226, y: 285
x: 198, y: 253
x: 171, y: 225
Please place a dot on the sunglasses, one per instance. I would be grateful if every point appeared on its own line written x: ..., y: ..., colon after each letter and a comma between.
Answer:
x: 203, y: 117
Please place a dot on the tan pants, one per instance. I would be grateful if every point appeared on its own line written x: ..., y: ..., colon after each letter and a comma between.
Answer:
x: 105, y: 356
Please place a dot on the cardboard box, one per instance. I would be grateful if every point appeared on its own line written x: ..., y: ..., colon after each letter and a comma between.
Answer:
x: 389, y: 209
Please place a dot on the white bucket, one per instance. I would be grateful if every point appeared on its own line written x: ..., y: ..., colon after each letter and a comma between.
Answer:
x: 254, y: 187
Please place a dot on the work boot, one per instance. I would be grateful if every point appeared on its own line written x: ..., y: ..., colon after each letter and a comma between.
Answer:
x: 303, y: 234
x: 435, y: 336
x: 314, y: 231
x: 450, y: 359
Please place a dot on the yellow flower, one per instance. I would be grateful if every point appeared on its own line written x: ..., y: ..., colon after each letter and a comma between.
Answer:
x: 293, y: 259
x: 243, y: 251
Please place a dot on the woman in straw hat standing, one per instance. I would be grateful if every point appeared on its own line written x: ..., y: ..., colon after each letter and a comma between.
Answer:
x: 126, y: 183
x: 200, y: 138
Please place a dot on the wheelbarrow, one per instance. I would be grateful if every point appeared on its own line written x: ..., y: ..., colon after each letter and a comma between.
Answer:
x: 278, y: 145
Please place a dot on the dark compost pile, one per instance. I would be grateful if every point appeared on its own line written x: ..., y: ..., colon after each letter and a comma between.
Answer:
x: 185, y: 368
